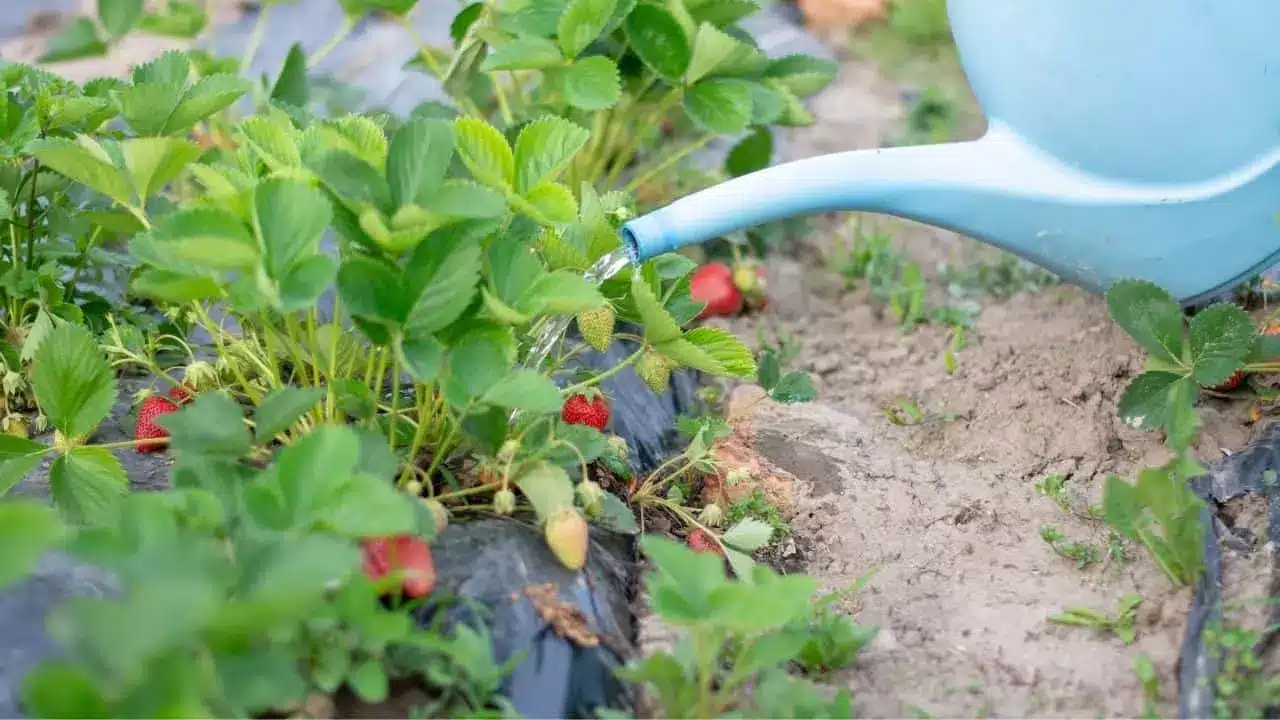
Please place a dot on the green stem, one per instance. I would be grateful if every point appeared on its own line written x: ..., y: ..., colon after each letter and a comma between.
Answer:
x: 579, y: 387
x: 395, y: 402
x: 664, y: 165
x: 348, y: 24
x: 255, y: 40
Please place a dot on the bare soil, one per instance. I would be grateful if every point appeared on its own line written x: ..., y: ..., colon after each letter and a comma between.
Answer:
x: 945, y: 510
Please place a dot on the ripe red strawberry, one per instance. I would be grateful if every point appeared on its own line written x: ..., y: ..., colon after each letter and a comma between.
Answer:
x: 581, y: 410
x: 403, y: 554
x: 713, y: 284
x: 181, y: 394
x: 702, y: 541
x: 146, y: 428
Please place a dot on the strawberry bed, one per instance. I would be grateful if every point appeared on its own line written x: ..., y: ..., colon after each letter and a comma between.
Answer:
x: 279, y: 368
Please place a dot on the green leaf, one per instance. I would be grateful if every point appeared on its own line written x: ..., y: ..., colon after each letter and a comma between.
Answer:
x: 421, y: 355
x: 711, y: 48
x: 523, y: 53
x: 720, y: 105
x: 84, y: 161
x: 618, y: 517
x: 485, y: 153
x: 548, y: 488
x: 581, y: 23
x: 418, y: 159
x: 794, y: 387
x: 28, y: 529
x: 1150, y: 316
x: 209, y: 95
x: 1181, y: 423
x: 291, y: 217
x: 802, y: 75
x: 174, y: 288
x: 197, y: 240
x: 1221, y: 337
x: 18, y: 456
x: 592, y: 83
x: 153, y: 162
x: 289, y: 577
x: 768, y: 369
x: 550, y: 204
x: 751, y: 153
x: 211, y: 426
x: 726, y: 348
x: 271, y: 141
x: 659, y: 40
x: 183, y: 20
x: 544, y: 149
x: 72, y: 380
x: 261, y: 679
x: 525, y: 390
x: 562, y: 292
x: 88, y: 484
x: 281, y: 408
x: 368, y: 506
x: 369, y: 681
x: 480, y: 359
x: 291, y: 86
x: 56, y: 688
x: 118, y: 17
x: 441, y: 279
x: 1144, y: 404
x: 79, y: 39
x: 748, y: 535
x: 466, y: 199
x: 659, y: 326
x: 371, y: 290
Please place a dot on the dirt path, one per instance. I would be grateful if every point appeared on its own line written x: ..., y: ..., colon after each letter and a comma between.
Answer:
x: 945, y: 508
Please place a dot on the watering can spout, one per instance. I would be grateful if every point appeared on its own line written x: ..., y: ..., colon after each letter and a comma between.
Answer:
x: 1090, y: 229
x: 934, y: 184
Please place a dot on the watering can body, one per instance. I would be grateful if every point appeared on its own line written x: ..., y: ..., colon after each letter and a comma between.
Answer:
x: 1136, y: 139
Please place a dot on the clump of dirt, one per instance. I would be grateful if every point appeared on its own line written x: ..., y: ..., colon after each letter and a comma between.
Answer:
x: 945, y: 509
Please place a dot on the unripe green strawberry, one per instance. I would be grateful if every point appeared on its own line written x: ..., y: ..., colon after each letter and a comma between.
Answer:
x: 567, y: 535
x: 655, y: 370
x: 711, y: 515
x: 596, y: 327
x: 439, y: 514
x: 504, y: 502
x: 591, y: 495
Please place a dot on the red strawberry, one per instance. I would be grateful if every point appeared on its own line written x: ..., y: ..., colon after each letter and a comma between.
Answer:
x: 1230, y: 383
x: 702, y: 541
x: 404, y: 554
x: 581, y: 410
x: 181, y: 394
x: 147, y: 428
x: 713, y: 284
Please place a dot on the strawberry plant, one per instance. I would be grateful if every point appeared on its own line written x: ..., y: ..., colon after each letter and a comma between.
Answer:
x: 641, y: 75
x: 737, y: 640
x: 1160, y: 509
x: 455, y: 251
x: 242, y: 591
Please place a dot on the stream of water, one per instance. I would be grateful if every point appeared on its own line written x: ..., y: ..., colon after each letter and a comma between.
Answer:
x: 555, y: 327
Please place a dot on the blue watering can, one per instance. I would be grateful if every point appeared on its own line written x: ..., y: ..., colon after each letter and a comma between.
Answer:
x: 1134, y: 139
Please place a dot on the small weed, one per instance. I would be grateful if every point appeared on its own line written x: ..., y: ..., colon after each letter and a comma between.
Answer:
x: 904, y: 411
x: 1054, y: 487
x: 931, y: 119
x: 1083, y: 554
x: 1146, y: 671
x: 833, y: 639
x: 1000, y: 280
x: 1121, y: 624
x: 1242, y: 688
x: 922, y: 24
x: 757, y: 506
